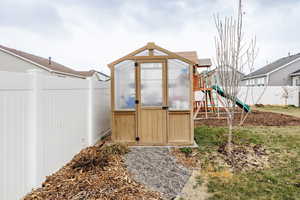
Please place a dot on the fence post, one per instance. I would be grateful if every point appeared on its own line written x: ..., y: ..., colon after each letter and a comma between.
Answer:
x: 298, y: 97
x: 90, y: 112
x: 32, y: 140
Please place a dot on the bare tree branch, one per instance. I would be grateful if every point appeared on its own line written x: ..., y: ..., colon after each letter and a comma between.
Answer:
x: 233, y: 54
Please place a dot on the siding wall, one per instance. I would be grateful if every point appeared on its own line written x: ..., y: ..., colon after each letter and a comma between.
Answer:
x: 215, y: 78
x: 11, y: 63
x: 44, y: 121
x: 282, y: 76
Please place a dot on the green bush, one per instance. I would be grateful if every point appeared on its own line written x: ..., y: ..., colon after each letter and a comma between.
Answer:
x: 186, y: 150
x: 259, y: 105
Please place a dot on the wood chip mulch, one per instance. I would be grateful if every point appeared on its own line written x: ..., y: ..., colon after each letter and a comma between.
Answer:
x: 97, y: 172
x: 245, y: 157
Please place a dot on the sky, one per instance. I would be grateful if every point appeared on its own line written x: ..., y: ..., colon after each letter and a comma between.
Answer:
x: 89, y: 34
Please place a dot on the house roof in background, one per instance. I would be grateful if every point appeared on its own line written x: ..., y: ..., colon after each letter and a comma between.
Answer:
x: 91, y: 73
x: 87, y: 73
x: 192, y: 55
x: 216, y: 70
x: 295, y: 73
x: 50, y: 66
x: 273, y: 66
x: 204, y: 62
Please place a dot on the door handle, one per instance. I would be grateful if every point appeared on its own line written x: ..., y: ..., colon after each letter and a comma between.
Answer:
x: 165, y: 107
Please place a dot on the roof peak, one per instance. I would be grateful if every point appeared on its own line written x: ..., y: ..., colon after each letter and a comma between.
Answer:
x: 42, y: 62
x: 273, y: 65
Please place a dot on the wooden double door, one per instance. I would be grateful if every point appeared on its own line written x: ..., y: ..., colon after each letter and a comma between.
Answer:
x: 152, y: 102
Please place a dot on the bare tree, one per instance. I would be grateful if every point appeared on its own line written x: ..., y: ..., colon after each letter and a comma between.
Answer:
x: 233, y: 54
x: 286, y: 94
x: 252, y: 53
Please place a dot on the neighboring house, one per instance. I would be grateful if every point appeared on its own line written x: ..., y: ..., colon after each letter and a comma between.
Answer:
x: 13, y: 60
x: 283, y: 72
x: 295, y: 76
x: 95, y: 74
x: 192, y: 55
x: 213, y: 77
x: 48, y: 113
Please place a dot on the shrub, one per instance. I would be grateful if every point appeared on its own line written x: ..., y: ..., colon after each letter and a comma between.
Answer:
x: 259, y: 105
x: 186, y: 150
x: 291, y: 106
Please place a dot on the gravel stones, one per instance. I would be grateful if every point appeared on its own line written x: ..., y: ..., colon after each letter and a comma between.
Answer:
x: 157, y: 169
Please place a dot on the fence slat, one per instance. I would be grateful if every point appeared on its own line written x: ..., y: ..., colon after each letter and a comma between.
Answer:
x: 44, y: 121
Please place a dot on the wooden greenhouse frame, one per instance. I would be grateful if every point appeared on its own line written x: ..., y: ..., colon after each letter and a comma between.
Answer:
x: 152, y: 125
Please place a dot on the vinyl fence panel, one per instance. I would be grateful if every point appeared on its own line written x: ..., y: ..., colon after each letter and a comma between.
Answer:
x: 14, y: 131
x: 270, y: 95
x: 44, y: 121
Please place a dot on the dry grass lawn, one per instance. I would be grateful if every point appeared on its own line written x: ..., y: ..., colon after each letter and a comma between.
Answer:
x: 280, y: 180
x: 288, y: 110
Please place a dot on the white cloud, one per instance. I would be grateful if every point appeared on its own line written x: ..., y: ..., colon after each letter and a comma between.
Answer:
x: 91, y: 34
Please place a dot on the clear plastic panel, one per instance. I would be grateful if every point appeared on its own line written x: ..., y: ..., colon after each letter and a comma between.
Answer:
x: 159, y: 53
x: 178, y: 85
x: 125, y: 85
x: 151, y: 84
x: 143, y: 53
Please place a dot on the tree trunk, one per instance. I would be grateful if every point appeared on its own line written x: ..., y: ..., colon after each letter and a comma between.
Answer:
x: 229, y: 141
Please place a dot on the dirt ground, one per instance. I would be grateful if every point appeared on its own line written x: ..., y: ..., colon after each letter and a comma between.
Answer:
x: 255, y: 118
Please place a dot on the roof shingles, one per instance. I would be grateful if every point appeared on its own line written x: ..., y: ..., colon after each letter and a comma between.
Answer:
x: 273, y: 66
x: 51, y: 66
x: 192, y: 56
x: 296, y: 72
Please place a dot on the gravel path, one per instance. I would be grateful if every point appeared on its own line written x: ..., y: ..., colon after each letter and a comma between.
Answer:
x: 156, y: 168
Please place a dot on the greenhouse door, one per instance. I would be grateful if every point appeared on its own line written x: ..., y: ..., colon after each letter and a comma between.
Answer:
x: 152, y: 108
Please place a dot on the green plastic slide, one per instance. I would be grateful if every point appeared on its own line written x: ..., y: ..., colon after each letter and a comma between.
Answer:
x: 238, y: 102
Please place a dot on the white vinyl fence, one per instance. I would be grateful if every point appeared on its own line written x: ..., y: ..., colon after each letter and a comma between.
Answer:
x: 271, y: 95
x: 44, y: 121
